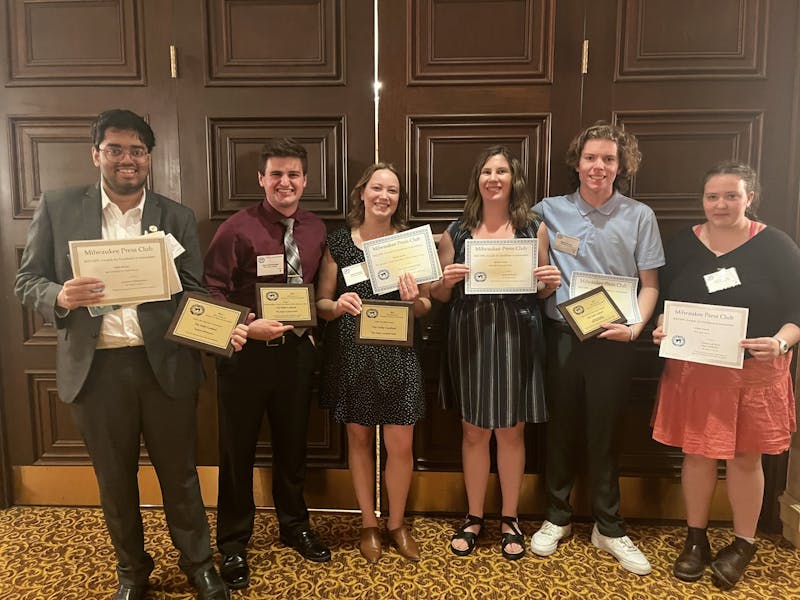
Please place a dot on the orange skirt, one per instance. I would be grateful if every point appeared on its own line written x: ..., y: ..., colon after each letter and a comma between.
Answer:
x: 717, y: 411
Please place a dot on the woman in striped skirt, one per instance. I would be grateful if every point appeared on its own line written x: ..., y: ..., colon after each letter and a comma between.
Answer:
x: 494, y: 345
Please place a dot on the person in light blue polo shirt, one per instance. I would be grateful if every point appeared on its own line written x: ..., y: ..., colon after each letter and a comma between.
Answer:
x: 596, y: 229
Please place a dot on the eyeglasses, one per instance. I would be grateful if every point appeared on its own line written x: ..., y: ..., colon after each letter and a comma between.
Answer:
x: 117, y: 152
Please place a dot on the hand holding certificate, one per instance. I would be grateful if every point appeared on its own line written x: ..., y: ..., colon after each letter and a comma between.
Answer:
x: 132, y: 270
x: 501, y: 266
x: 586, y: 313
x: 411, y: 251
x: 704, y: 333
x: 205, y: 323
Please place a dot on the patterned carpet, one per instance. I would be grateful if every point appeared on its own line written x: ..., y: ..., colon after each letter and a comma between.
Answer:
x: 64, y: 554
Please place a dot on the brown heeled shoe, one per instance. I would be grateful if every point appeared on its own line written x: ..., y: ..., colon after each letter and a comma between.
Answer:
x: 370, y: 544
x: 404, y: 543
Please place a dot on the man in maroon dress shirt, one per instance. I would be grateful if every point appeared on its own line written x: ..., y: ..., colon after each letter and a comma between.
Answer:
x: 273, y: 371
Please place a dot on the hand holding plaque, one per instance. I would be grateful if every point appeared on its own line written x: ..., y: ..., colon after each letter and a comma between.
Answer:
x: 586, y: 313
x: 205, y: 323
x: 289, y: 303
x: 385, y: 322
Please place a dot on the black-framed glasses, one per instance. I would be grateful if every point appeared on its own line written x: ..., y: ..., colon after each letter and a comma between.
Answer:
x: 117, y: 152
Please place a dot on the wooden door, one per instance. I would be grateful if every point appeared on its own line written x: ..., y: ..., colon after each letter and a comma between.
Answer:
x: 63, y: 63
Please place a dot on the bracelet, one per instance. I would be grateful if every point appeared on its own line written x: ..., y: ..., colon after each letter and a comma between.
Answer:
x: 631, y: 330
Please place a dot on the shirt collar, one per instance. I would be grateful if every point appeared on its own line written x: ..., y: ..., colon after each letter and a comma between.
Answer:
x: 272, y: 215
x: 584, y: 208
x: 105, y: 203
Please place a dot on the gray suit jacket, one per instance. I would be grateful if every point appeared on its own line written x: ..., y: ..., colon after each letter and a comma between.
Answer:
x: 75, y: 214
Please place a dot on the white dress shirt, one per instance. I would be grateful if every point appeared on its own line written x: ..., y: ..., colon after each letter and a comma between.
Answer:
x: 120, y: 328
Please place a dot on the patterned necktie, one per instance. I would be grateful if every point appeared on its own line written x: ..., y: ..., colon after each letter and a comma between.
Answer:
x: 294, y: 268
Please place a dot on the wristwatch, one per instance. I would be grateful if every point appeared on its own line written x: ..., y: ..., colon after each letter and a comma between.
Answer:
x: 782, y: 345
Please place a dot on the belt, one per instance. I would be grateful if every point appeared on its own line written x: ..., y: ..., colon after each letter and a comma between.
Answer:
x: 286, y: 337
x: 559, y: 325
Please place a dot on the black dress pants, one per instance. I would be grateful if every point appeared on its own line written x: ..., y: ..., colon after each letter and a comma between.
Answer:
x: 120, y: 403
x: 587, y: 383
x: 259, y: 379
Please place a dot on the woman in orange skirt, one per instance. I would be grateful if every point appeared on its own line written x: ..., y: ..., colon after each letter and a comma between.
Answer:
x: 717, y: 413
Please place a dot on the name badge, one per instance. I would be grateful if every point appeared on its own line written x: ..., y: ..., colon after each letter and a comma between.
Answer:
x: 355, y: 273
x: 269, y: 264
x: 567, y: 243
x: 174, y: 246
x: 722, y: 280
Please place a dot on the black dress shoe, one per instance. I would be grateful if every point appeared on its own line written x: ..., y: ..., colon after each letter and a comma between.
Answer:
x: 235, y: 572
x: 308, y: 544
x: 731, y: 562
x: 209, y: 585
x: 127, y: 591
x: 696, y: 555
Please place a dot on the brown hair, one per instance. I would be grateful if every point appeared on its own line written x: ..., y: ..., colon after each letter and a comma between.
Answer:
x: 744, y: 172
x: 355, y: 215
x: 283, y: 148
x: 518, y: 204
x: 628, y: 152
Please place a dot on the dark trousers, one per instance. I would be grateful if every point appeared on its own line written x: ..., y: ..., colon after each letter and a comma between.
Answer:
x: 121, y: 402
x: 259, y: 379
x: 587, y: 384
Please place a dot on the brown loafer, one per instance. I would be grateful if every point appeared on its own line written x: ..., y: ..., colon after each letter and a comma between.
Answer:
x: 404, y: 543
x: 370, y: 544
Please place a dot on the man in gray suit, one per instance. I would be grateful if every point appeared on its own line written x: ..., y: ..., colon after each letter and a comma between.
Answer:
x: 121, y: 378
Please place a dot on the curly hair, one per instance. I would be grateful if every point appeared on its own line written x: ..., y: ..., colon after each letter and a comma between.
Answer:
x: 627, y: 152
x: 519, y: 203
x: 355, y: 214
x: 744, y: 172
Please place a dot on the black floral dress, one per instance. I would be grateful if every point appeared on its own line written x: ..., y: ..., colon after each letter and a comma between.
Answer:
x: 365, y: 384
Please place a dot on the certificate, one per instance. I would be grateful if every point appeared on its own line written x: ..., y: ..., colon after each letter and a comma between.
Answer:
x: 385, y: 322
x: 205, y: 323
x: 411, y: 251
x: 587, y: 312
x: 289, y: 303
x: 704, y: 333
x: 501, y: 266
x: 133, y: 270
x: 622, y: 289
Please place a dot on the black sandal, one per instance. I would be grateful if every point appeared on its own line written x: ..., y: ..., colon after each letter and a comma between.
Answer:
x: 468, y: 536
x: 513, y: 537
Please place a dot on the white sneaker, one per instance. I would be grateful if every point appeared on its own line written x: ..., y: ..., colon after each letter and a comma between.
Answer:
x: 545, y: 541
x: 624, y: 550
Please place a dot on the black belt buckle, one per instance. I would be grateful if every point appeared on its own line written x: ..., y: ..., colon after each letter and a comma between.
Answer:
x: 276, y: 342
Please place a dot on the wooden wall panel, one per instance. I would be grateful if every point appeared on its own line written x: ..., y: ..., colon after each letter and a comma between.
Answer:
x: 56, y: 437
x: 443, y: 149
x: 516, y: 48
x: 47, y: 153
x: 35, y: 330
x: 295, y: 43
x: 689, y: 142
x: 235, y: 144
x: 685, y: 39
x: 75, y: 42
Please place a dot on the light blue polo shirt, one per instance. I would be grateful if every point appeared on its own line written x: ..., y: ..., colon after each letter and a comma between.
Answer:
x: 619, y: 238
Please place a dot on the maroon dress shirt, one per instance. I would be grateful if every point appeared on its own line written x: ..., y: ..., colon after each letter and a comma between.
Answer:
x: 231, y: 261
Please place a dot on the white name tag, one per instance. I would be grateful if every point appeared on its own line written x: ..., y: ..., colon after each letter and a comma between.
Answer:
x: 269, y: 264
x: 567, y: 243
x: 355, y: 273
x: 722, y: 280
x: 174, y: 246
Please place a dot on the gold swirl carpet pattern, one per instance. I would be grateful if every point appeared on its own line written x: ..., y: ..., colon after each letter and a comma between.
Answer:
x: 64, y: 554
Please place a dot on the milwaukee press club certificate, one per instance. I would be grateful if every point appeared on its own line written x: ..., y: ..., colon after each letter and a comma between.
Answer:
x: 704, y: 333
x: 622, y: 289
x: 501, y: 266
x: 411, y: 251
